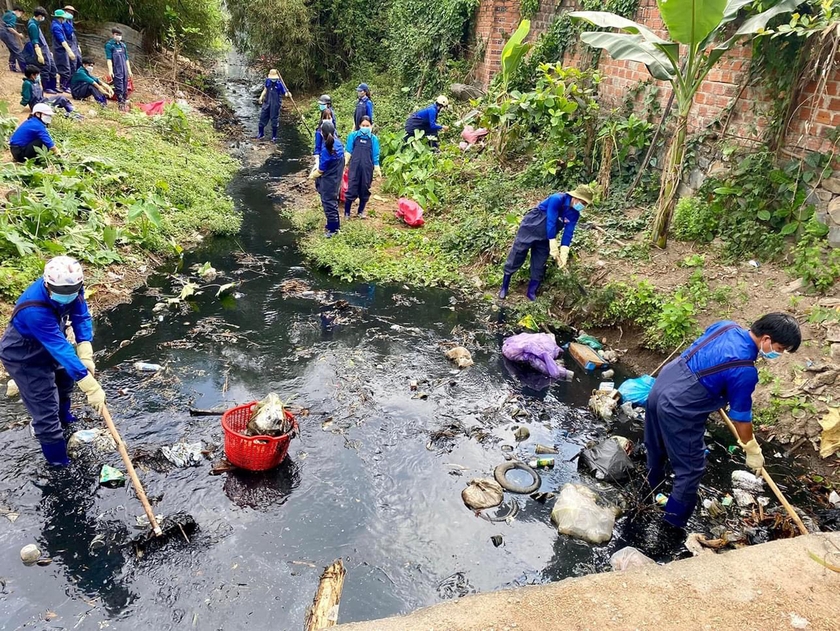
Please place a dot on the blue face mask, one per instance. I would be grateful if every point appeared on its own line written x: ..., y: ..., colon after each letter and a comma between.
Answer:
x: 365, y: 130
x: 578, y: 206
x: 63, y: 299
x: 771, y: 354
x: 322, y: 107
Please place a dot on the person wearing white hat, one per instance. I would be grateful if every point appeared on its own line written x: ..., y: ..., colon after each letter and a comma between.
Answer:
x: 44, y: 364
x: 32, y: 134
x: 425, y: 120
x: 271, y: 100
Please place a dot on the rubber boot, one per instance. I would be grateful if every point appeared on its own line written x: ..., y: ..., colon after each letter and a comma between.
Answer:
x: 273, y: 134
x: 260, y: 134
x: 65, y: 415
x: 348, y: 206
x: 503, y: 292
x: 362, y: 204
x: 677, y: 512
x: 56, y: 453
x: 533, y: 286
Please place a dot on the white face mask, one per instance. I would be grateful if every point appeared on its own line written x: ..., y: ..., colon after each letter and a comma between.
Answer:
x: 117, y: 38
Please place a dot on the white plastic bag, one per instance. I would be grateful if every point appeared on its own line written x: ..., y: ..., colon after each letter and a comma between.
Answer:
x: 629, y: 558
x: 578, y: 515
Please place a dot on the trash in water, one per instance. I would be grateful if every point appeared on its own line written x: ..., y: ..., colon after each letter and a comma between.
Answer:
x: 577, y: 514
x: 30, y: 554
x: 455, y: 586
x: 100, y: 440
x: 625, y: 443
x: 111, y: 477
x: 629, y: 558
x: 482, y: 493
x: 44, y: 561
x: 606, y: 386
x: 603, y: 404
x: 497, y: 540
x: 743, y: 498
x: 545, y: 449
x: 661, y: 499
x: 221, y: 466
x: 608, y: 374
x: 542, y: 463
x: 461, y: 356
x: 529, y: 323
x: 184, y: 454
x: 727, y: 500
x: 11, y: 389
x: 542, y: 498
x: 146, y: 367
x: 538, y: 350
x: 629, y: 411
x: 269, y: 418
x: 636, y: 390
x: 591, y: 342
x: 607, y: 461
x: 586, y: 357
x: 97, y: 542
x: 715, y: 508
x: 501, y: 471
x: 522, y: 433
x: 412, y: 385
x: 834, y: 499
x: 746, y: 481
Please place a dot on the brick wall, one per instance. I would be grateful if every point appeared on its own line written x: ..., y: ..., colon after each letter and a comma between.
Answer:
x: 497, y: 19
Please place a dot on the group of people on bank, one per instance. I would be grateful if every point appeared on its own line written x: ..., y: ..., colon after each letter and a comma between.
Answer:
x: 55, y: 74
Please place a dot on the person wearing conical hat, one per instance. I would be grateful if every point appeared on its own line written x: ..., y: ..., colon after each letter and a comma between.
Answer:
x: 271, y: 100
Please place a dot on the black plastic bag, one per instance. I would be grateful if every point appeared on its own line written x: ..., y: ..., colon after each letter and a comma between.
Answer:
x: 607, y: 461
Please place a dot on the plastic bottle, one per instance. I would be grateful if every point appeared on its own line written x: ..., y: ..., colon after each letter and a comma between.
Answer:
x: 144, y: 367
x: 542, y: 463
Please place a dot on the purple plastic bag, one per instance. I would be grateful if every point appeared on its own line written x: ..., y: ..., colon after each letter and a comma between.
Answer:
x: 538, y: 350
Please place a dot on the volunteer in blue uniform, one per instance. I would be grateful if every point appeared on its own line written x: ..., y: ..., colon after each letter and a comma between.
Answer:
x: 361, y: 155
x: 119, y: 66
x: 325, y: 105
x: 328, y: 176
x: 425, y: 120
x: 364, y: 106
x: 62, y: 52
x: 44, y: 364
x: 70, y: 34
x: 32, y: 134
x: 271, y: 100
x: 715, y: 371
x: 326, y: 115
x: 31, y: 92
x: 12, y: 39
x: 37, y: 53
x: 83, y: 84
x: 538, y: 233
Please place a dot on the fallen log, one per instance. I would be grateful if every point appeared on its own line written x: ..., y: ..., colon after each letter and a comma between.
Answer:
x: 323, y: 612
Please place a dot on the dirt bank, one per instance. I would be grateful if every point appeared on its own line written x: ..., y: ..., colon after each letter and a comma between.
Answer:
x: 771, y: 586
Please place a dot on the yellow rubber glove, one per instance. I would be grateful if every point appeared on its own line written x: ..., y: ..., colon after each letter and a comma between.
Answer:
x: 69, y: 50
x: 553, y: 250
x: 316, y: 173
x: 110, y: 75
x: 39, y: 55
x: 755, y: 459
x: 262, y: 97
x: 377, y: 171
x: 128, y: 67
x: 564, y: 256
x: 84, y: 350
x: 95, y: 393
x: 347, y: 157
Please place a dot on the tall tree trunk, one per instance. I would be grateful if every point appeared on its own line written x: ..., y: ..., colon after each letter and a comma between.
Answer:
x: 671, y: 178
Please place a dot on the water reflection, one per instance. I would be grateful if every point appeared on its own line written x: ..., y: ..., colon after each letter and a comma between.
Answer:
x: 264, y: 490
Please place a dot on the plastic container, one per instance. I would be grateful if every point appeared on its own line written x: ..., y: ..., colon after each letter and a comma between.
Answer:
x: 253, y: 453
x: 146, y: 367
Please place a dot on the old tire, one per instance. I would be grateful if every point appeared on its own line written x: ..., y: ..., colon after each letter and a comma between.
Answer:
x: 500, y: 474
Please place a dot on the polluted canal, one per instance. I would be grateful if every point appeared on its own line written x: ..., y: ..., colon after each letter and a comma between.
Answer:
x: 393, y: 434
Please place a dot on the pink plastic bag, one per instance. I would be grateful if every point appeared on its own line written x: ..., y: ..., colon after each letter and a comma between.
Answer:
x: 473, y: 135
x: 153, y: 109
x: 538, y: 350
x: 345, y: 184
x: 410, y: 212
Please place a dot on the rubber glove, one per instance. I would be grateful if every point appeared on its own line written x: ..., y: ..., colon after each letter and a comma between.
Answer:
x: 564, y: 256
x: 39, y: 55
x: 262, y: 97
x: 109, y: 77
x: 84, y: 350
x: 95, y: 393
x: 755, y: 459
x: 377, y: 171
x: 553, y: 250
x: 289, y: 94
x: 69, y: 50
x: 347, y: 157
x: 316, y: 173
x: 128, y: 67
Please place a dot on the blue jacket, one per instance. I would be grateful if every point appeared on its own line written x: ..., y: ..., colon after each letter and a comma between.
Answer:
x: 559, y: 211
x: 276, y: 85
x: 111, y: 45
x: 427, y: 117
x: 364, y: 107
x: 351, y: 140
x: 31, y: 129
x: 42, y: 324
x: 69, y: 31
x: 325, y: 158
x: 33, y: 30
x: 736, y: 385
x: 58, y: 36
x: 10, y: 19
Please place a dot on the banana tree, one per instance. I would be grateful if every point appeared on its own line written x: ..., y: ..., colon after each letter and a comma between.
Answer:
x: 702, y: 28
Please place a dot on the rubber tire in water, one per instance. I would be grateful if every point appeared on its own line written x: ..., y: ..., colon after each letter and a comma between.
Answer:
x: 501, y: 477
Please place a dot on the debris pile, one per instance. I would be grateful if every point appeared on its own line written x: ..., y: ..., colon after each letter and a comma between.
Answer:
x: 269, y: 418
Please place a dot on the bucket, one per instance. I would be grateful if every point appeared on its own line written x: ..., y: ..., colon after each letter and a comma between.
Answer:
x: 253, y: 453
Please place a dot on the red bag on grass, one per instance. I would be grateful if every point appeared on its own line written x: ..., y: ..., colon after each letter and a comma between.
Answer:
x: 410, y: 212
x: 153, y: 109
x: 345, y: 184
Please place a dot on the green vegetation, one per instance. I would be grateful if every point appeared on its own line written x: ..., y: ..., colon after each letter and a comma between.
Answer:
x: 124, y: 184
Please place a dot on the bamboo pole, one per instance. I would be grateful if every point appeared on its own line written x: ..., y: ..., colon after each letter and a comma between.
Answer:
x: 323, y: 613
x: 767, y: 478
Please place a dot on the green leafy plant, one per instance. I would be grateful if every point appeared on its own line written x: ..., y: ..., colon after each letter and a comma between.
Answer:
x: 695, y: 220
x: 702, y: 27
x: 513, y: 53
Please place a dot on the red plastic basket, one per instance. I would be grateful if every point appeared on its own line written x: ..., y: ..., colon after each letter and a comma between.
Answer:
x: 254, y: 453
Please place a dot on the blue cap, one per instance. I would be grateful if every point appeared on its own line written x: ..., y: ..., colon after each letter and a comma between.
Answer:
x: 363, y: 87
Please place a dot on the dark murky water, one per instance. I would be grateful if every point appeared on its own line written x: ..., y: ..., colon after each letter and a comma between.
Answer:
x: 363, y: 482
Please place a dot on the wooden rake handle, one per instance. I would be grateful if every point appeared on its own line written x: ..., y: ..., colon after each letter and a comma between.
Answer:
x: 767, y: 478
x: 138, y: 487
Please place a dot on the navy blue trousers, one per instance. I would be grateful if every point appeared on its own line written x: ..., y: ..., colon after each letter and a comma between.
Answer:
x: 11, y: 41
x: 62, y: 65
x: 531, y: 236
